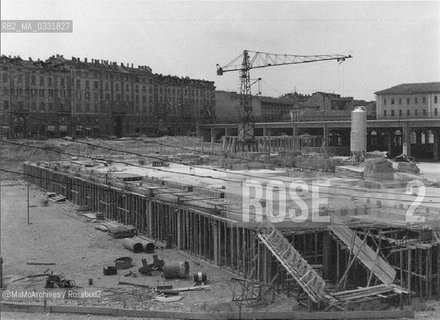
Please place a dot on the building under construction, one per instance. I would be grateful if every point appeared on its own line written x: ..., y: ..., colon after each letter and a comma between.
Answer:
x: 358, y: 243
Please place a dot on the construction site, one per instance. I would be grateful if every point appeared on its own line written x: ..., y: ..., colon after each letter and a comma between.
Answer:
x: 252, y: 227
x: 364, y: 235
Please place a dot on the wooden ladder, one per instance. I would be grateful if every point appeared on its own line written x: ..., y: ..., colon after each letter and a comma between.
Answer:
x: 303, y: 273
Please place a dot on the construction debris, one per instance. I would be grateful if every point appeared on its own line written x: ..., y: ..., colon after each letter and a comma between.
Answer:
x: 133, y: 284
x: 123, y: 263
x: 167, y: 299
x: 110, y: 271
x: 58, y: 281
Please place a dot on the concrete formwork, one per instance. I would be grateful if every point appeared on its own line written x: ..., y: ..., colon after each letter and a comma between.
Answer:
x: 205, y: 233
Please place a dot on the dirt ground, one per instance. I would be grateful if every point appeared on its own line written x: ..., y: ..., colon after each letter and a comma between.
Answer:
x: 79, y: 251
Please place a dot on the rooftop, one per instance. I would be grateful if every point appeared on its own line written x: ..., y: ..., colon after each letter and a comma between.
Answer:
x: 411, y: 88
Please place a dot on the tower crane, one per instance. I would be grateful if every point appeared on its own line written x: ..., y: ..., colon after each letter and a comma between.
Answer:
x: 254, y: 60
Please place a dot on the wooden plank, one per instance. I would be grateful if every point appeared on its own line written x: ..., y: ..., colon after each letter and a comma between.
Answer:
x: 366, y: 255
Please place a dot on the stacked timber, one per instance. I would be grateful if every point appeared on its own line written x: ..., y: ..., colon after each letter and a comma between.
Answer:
x: 351, y: 172
x: 365, y: 292
x: 314, y: 161
x: 408, y: 167
x: 378, y: 169
x: 117, y: 230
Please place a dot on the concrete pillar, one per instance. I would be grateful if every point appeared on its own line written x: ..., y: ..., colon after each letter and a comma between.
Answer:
x: 326, y: 254
x: 179, y: 232
x: 216, y: 242
x: 436, y: 146
x: 325, y: 135
x: 1, y: 272
x: 150, y: 218
x: 406, y: 143
x: 212, y: 139
x: 390, y: 141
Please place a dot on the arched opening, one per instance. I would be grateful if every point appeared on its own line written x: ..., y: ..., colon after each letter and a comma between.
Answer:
x: 413, y: 137
x: 397, y: 138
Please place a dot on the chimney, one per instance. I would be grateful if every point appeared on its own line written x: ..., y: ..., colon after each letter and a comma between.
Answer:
x: 85, y: 59
x: 132, y: 65
x: 122, y: 64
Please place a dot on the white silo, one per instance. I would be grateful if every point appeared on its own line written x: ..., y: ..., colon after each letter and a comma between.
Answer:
x: 358, y: 136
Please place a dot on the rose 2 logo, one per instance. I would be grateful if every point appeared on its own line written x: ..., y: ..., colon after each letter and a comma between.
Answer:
x: 298, y: 201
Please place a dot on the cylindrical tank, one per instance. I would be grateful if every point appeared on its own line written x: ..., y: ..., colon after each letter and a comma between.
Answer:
x: 358, y: 136
x: 132, y: 245
x: 172, y: 270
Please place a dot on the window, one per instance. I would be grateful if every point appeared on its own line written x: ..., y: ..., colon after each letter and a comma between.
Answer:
x: 400, y: 112
x: 408, y: 112
x: 436, y: 111
x: 50, y: 106
x: 42, y: 93
x: 400, y: 100
x: 384, y: 112
x: 415, y: 112
x: 50, y: 81
x: 50, y: 91
x: 96, y: 85
x: 41, y: 81
x: 127, y: 87
x: 407, y: 100
x: 42, y: 106
x: 384, y: 102
x: 392, y: 102
x: 413, y: 137
x: 435, y: 99
x: 424, y: 99
x: 87, y: 96
x: 78, y: 83
x: 6, y: 105
x: 33, y: 80
x: 87, y: 84
x: 415, y: 100
x: 424, y: 112
x: 5, y: 77
x: 63, y: 82
x: 34, y: 106
x: 144, y: 99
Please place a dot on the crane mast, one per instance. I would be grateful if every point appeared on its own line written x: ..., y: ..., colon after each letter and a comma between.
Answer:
x: 253, y: 60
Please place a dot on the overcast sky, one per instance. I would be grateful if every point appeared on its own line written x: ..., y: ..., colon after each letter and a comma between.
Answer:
x: 391, y: 42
